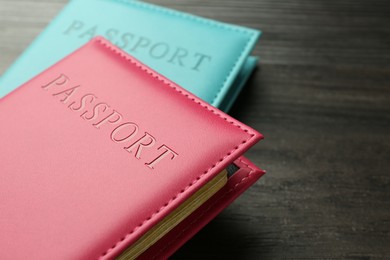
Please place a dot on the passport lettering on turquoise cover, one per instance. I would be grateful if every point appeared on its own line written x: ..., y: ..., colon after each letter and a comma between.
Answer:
x: 208, y: 58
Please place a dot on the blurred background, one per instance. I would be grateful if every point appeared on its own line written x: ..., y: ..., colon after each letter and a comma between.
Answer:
x: 321, y: 97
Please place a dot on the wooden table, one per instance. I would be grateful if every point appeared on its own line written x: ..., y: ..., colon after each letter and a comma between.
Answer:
x: 321, y: 96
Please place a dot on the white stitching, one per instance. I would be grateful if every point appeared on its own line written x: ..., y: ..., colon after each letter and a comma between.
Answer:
x: 251, y: 39
x: 203, y: 105
x: 207, y: 209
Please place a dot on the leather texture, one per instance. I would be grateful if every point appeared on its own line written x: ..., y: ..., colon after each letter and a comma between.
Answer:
x: 239, y: 83
x: 246, y: 176
x: 201, y: 55
x: 77, y: 145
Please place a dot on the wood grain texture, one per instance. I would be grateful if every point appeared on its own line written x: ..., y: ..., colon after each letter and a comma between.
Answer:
x: 321, y: 96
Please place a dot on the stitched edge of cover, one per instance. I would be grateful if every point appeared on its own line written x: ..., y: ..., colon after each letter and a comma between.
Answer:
x: 128, y: 58
x: 206, y: 21
x: 252, y: 170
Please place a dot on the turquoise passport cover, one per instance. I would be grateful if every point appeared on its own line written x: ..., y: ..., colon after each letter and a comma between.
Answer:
x: 208, y: 58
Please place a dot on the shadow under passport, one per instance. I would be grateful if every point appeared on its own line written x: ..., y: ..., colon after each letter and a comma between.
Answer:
x: 223, y: 238
x: 249, y: 96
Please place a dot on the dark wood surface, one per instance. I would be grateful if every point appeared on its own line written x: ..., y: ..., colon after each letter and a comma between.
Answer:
x: 321, y: 96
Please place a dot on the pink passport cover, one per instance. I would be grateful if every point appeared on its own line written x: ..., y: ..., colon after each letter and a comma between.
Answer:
x: 99, y: 148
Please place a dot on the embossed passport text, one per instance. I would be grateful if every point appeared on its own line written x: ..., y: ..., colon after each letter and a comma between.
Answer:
x: 208, y: 58
x: 99, y: 151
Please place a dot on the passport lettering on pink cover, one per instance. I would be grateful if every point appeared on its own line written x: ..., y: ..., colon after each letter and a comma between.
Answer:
x: 98, y: 149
